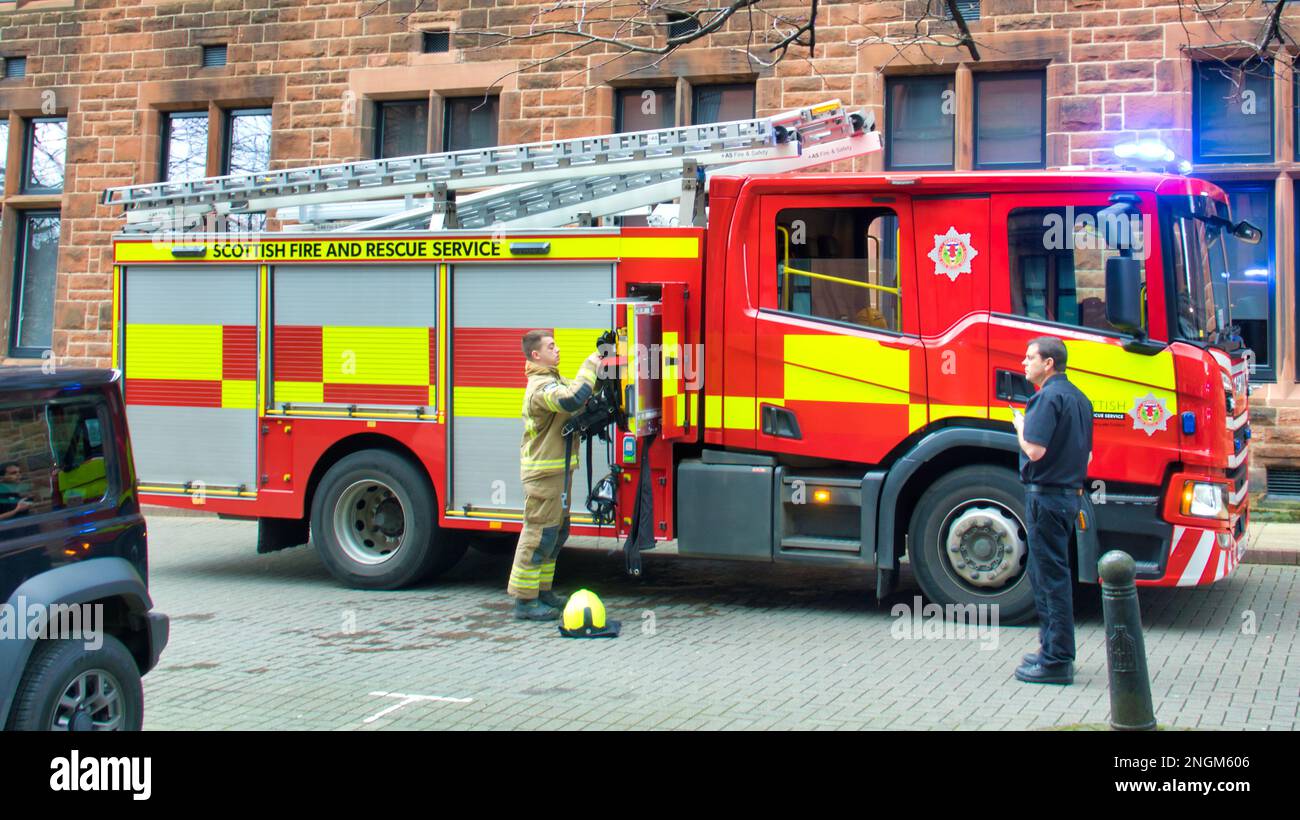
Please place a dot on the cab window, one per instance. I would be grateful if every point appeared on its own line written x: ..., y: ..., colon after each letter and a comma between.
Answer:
x: 839, y: 264
x: 1058, y: 259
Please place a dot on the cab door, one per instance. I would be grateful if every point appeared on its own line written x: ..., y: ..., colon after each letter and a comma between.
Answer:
x: 841, y: 370
x: 1054, y: 248
x: 953, y: 272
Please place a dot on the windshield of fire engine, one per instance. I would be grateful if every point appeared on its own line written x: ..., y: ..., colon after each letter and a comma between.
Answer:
x: 1200, y: 266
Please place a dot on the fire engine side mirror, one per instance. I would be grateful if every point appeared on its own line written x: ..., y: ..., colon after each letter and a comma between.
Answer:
x: 1247, y: 233
x: 1124, y: 294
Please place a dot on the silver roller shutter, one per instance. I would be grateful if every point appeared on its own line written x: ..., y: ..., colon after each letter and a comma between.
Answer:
x: 485, y: 447
x: 180, y: 444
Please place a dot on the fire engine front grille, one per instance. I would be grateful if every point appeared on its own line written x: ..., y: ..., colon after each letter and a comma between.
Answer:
x: 1284, y: 481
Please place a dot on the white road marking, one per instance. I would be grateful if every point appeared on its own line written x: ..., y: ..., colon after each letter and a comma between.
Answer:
x: 407, y: 700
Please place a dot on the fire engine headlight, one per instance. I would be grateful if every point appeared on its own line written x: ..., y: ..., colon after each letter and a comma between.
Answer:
x: 1204, y: 500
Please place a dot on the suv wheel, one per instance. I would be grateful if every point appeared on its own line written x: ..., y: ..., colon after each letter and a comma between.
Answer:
x: 374, y: 523
x: 69, y: 688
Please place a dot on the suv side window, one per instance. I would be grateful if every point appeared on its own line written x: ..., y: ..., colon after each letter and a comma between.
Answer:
x: 1058, y: 259
x: 52, y: 457
x: 840, y: 264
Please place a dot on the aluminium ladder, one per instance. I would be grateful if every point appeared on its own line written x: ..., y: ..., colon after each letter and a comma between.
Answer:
x: 527, y: 186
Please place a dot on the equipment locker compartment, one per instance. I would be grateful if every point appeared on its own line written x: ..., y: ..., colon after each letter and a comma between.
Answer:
x: 189, y: 354
x: 493, y: 306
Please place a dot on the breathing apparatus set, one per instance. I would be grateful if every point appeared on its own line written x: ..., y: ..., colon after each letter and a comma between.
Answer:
x: 595, y: 420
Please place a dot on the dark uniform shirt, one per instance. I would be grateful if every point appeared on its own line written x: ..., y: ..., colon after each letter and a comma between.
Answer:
x: 1058, y: 417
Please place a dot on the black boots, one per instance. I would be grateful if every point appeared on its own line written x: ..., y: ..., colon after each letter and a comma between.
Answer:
x: 549, y: 598
x: 534, y: 610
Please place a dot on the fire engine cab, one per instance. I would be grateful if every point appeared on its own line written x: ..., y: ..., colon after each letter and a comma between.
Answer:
x: 812, y: 367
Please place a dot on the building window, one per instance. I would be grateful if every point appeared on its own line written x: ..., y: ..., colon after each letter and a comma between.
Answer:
x: 185, y: 146
x: 247, y: 151
x: 920, y: 112
x: 4, y: 152
x: 214, y: 56
x: 1011, y: 120
x: 681, y: 24
x: 1251, y: 280
x: 839, y: 264
x: 436, y: 42
x: 469, y: 122
x: 403, y: 129
x: 722, y: 103
x: 644, y: 109
x: 1233, y: 105
x: 47, y: 143
x: 248, y: 141
x: 970, y: 10
x: 15, y: 67
x: 1058, y: 268
x: 35, y: 266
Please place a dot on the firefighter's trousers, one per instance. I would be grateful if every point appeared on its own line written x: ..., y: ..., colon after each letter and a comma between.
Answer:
x: 546, y: 528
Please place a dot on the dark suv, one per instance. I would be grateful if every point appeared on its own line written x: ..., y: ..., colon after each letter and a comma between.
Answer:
x: 77, y: 630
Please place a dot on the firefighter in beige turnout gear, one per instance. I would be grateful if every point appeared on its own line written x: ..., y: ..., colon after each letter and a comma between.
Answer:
x: 549, y: 401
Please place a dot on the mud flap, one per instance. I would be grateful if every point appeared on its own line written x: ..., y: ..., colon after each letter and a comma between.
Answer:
x: 886, y: 584
x: 642, y: 534
x: 281, y: 533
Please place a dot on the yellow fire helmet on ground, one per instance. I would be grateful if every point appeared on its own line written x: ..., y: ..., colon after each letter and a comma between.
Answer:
x: 584, y: 617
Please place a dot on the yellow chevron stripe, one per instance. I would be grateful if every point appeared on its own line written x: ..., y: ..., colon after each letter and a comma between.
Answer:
x: 239, y: 394
x: 948, y: 411
x: 115, y: 361
x: 375, y: 355
x: 173, y: 352
x: 802, y: 384
x: 300, y: 392
x: 486, y: 402
x: 850, y: 358
x: 1100, y: 357
x: 738, y: 413
x: 575, y: 344
x: 917, y: 416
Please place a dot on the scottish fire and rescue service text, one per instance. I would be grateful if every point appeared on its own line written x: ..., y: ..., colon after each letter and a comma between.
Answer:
x: 341, y: 250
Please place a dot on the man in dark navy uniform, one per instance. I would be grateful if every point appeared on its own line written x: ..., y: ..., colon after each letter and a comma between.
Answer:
x: 1055, y: 436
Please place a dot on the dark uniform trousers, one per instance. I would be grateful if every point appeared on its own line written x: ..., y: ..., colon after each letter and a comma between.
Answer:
x: 1051, y: 521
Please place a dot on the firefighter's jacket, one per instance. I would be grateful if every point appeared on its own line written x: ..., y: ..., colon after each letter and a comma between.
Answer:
x: 549, y: 401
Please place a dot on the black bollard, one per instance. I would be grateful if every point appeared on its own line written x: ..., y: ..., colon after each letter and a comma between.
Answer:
x: 1126, y: 655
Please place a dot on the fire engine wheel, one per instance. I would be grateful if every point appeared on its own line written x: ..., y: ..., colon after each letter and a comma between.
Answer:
x: 374, y: 522
x: 968, y: 543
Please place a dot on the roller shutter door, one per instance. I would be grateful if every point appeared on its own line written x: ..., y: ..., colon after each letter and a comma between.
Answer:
x: 493, y: 306
x: 360, y: 335
x: 189, y: 356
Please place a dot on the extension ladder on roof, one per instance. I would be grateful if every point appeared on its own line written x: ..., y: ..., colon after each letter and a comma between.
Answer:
x: 535, y: 185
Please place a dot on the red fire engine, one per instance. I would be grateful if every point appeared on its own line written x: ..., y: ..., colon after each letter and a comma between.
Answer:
x: 817, y: 368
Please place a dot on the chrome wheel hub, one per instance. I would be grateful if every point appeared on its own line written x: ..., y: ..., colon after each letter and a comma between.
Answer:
x: 369, y: 522
x: 984, y: 546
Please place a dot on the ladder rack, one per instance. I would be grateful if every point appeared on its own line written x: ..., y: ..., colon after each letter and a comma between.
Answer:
x: 535, y: 185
